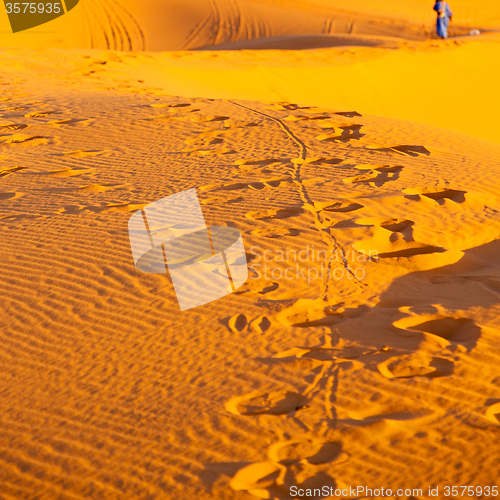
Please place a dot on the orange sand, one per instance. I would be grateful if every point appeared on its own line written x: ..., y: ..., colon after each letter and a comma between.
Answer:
x: 386, y: 374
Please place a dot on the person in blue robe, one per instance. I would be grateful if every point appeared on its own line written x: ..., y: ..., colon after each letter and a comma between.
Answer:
x: 444, y: 17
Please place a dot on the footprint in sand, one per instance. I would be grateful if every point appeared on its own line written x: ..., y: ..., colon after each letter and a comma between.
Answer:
x: 385, y: 169
x: 164, y: 105
x: 304, y: 313
x: 70, y: 122
x: 286, y: 106
x: 493, y: 413
x: 68, y: 172
x: 281, y: 213
x: 349, y: 132
x: 415, y: 365
x: 210, y: 118
x: 17, y: 217
x: 440, y: 197
x: 259, y: 186
x: 12, y: 126
x: 318, y: 160
x: 208, y: 137
x: 305, y: 451
x: 368, y: 177
x: 206, y: 141
x: 392, y: 238
x: 23, y: 138
x: 257, y: 477
x: 397, y: 225
x: 269, y: 183
x: 260, y: 162
x: 118, y: 207
x: 349, y: 114
x: 214, y: 136
x: 257, y: 286
x: 405, y: 150
x: 311, y: 181
x: 111, y: 207
x: 237, y: 323
x: 175, y: 114
x: 450, y: 194
x: 10, y: 196
x: 260, y: 324
x: 264, y: 166
x: 335, y: 206
x: 10, y: 170
x: 271, y: 403
x: 376, y: 175
x: 418, y: 250
x: 276, y: 233
x: 443, y: 330
x: 411, y: 252
x: 220, y: 201
x: 329, y: 125
x: 401, y: 411
x: 224, y: 187
x: 393, y: 225
x: 269, y: 479
x: 298, y: 118
x: 39, y: 114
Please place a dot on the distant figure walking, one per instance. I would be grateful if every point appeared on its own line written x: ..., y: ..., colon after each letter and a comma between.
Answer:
x: 444, y: 17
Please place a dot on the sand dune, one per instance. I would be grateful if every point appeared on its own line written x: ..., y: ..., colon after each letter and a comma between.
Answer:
x: 454, y: 79
x: 189, y: 24
x: 386, y: 371
x: 359, y: 160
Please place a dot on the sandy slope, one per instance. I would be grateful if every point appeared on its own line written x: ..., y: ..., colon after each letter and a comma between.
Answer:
x: 381, y: 62
x: 446, y: 84
x: 387, y: 372
x: 188, y: 24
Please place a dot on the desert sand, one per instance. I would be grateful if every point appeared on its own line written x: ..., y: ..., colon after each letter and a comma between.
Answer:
x: 350, y: 133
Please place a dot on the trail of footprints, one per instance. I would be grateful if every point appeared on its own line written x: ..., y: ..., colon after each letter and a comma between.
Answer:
x: 240, y: 322
x: 289, y: 460
x: 35, y: 112
x: 443, y: 334
x: 372, y: 175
